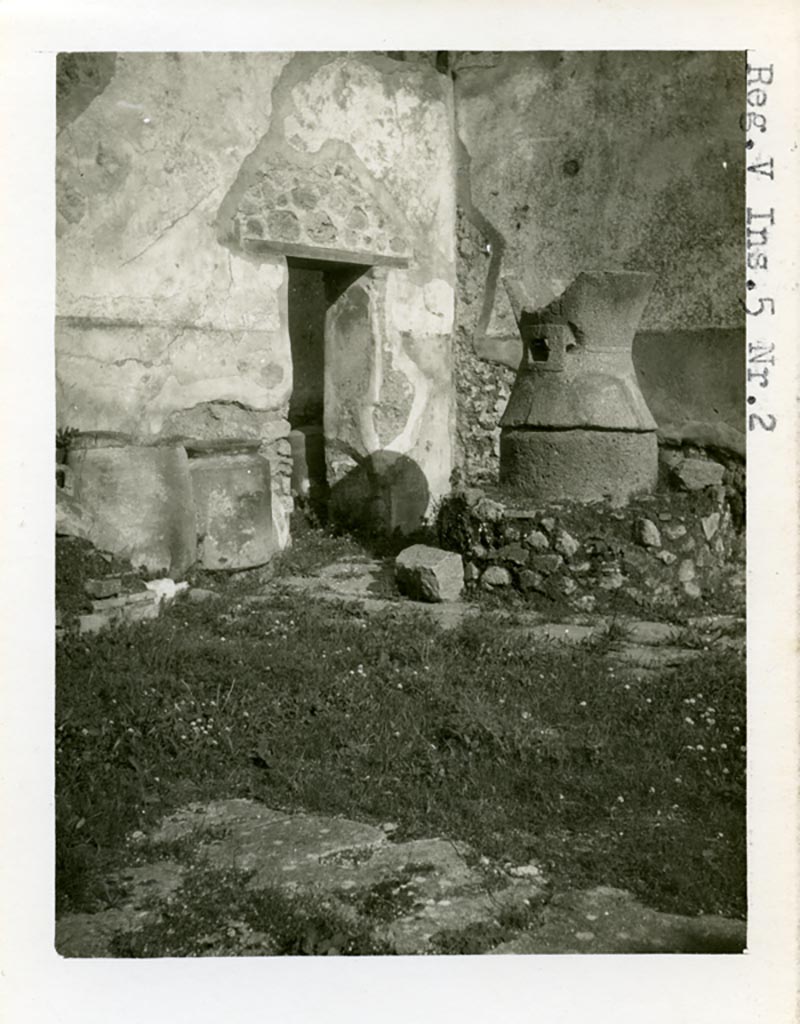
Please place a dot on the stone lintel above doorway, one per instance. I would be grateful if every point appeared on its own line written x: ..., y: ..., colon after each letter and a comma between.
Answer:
x: 313, y: 254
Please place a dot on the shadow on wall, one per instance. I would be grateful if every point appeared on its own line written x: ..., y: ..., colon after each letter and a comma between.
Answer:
x: 385, y: 493
x: 694, y: 384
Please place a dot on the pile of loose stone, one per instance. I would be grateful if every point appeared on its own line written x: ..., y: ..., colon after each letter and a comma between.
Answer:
x: 660, y: 549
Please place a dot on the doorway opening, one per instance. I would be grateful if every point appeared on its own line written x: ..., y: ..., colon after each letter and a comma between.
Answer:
x: 314, y: 285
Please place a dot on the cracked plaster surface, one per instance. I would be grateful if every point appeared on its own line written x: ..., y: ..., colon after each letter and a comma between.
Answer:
x: 180, y: 319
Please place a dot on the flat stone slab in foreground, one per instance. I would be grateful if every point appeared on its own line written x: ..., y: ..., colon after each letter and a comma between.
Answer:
x: 426, y: 888
x: 429, y: 574
x: 434, y: 895
x: 607, y: 920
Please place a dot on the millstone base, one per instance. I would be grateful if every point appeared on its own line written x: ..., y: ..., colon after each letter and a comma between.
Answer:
x: 578, y: 465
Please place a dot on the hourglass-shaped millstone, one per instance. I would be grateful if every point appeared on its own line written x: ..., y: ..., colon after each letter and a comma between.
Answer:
x: 576, y: 425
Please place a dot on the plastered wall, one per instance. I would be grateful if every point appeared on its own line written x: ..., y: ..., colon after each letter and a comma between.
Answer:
x: 575, y: 161
x: 167, y: 323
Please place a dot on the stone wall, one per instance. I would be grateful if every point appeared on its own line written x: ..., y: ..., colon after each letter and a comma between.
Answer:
x: 685, y: 543
x: 185, y: 182
x: 620, y: 160
x: 175, y: 221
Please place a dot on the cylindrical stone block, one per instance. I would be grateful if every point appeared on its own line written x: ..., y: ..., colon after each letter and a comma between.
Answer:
x: 578, y: 465
x: 233, y: 504
x: 140, y: 497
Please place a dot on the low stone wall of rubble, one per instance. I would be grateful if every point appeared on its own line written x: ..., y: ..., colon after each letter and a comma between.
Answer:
x: 685, y: 543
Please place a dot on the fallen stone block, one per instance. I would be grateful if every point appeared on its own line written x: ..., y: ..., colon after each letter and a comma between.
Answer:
x: 199, y: 595
x: 140, y: 612
x: 107, y: 586
x: 94, y: 623
x: 697, y: 474
x: 429, y: 574
x: 124, y: 601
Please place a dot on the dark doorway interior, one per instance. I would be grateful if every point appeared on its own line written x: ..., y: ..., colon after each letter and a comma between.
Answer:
x: 307, y: 308
x: 313, y: 286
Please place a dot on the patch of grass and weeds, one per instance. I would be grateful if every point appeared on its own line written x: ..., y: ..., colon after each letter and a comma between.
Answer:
x: 77, y: 561
x: 214, y: 913
x: 480, y: 937
x: 527, y: 752
x: 391, y: 897
x: 313, y: 547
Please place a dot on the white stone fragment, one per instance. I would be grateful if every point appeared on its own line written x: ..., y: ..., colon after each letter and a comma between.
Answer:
x: 165, y: 589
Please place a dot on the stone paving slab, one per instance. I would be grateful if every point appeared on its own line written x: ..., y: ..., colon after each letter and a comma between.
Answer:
x: 718, y: 623
x: 732, y: 643
x: 448, y: 616
x: 90, y: 935
x: 650, y: 633
x: 146, y: 883
x: 355, y: 580
x: 412, y: 934
x: 432, y: 868
x: 426, y: 889
x: 564, y: 632
x: 645, y: 656
x: 333, y: 857
x: 277, y: 851
x: 608, y: 920
x: 218, y: 814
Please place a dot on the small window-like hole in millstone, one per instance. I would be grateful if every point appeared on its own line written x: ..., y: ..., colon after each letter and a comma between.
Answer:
x: 540, y: 350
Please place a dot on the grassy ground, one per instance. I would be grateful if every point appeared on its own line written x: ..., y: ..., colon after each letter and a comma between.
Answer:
x: 215, y: 914
x: 527, y: 753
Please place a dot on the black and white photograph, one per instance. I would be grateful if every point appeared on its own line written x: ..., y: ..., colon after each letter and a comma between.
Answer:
x: 417, y: 611
x: 401, y: 503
